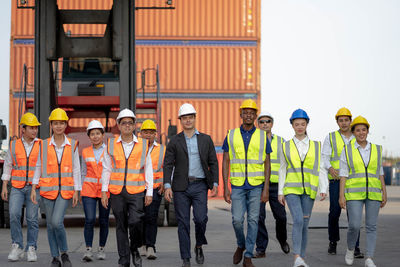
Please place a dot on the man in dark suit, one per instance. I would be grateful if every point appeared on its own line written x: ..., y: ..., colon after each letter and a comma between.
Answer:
x: 191, y: 159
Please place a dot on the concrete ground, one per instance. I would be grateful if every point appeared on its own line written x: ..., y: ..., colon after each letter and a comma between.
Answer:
x: 222, y: 241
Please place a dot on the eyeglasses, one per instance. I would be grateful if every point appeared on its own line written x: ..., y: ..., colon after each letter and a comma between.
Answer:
x: 264, y: 121
x: 127, y: 123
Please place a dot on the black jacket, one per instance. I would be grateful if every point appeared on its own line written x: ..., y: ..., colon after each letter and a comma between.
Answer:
x: 176, y: 161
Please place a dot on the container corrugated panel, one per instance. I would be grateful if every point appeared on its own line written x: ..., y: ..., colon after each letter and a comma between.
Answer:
x: 191, y: 19
x: 13, y: 116
x: 20, y: 55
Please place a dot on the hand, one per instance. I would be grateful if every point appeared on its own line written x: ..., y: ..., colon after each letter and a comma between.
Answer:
x: 342, y: 202
x: 281, y: 199
x: 384, y: 200
x: 4, y: 193
x: 168, y: 194
x: 161, y: 190
x: 75, y: 198
x: 214, y: 191
x: 33, y: 195
x: 148, y: 200
x: 334, y: 173
x: 264, y: 196
x: 104, y: 199
x: 227, y: 195
x: 323, y: 196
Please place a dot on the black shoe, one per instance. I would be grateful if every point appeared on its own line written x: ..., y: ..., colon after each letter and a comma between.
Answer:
x: 199, y: 255
x: 55, y: 262
x: 65, y: 260
x: 186, y: 263
x: 285, y: 247
x: 332, y: 248
x: 358, y: 254
x: 137, y: 259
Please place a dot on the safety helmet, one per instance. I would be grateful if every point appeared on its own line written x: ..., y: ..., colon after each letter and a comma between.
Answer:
x: 359, y: 120
x: 148, y: 125
x: 58, y: 114
x: 248, y: 103
x: 343, y: 112
x: 126, y: 113
x: 299, y: 114
x: 265, y: 114
x: 94, y: 124
x: 186, y: 109
x: 29, y: 119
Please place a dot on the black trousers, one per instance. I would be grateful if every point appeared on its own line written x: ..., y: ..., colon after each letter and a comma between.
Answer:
x: 128, y: 212
x: 150, y: 220
x: 279, y: 213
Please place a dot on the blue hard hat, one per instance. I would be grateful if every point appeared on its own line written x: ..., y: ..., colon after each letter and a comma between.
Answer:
x: 299, y: 114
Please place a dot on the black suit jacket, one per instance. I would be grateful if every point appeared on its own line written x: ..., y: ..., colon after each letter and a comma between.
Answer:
x: 176, y: 161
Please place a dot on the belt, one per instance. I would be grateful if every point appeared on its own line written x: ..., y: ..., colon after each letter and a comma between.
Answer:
x: 193, y: 179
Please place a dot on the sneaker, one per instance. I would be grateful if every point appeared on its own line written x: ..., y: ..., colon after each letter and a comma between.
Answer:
x: 349, y: 258
x: 31, y: 254
x: 65, y: 260
x: 101, y: 254
x: 55, y: 262
x: 151, y: 253
x: 332, y: 248
x: 299, y: 262
x: 88, y: 256
x: 369, y: 263
x: 16, y: 253
x: 143, y: 251
x: 358, y: 254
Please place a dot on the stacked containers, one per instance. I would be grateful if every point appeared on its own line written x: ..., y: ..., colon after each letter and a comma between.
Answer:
x: 207, y: 51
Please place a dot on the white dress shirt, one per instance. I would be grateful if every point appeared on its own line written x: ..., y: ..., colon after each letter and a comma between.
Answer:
x: 148, y: 168
x: 7, y: 167
x: 302, y: 147
x: 76, y: 171
x: 327, y: 150
x: 365, y: 154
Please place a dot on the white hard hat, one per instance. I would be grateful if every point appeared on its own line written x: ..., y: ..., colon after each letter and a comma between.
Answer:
x: 125, y: 113
x: 94, y: 124
x: 265, y: 113
x: 186, y: 109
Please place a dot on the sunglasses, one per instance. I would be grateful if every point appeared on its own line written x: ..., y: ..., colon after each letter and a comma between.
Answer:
x: 264, y: 121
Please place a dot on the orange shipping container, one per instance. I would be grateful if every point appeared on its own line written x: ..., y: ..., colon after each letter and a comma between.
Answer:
x: 191, y: 19
x: 21, y: 54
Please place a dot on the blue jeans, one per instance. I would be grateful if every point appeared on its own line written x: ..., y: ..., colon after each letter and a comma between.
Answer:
x: 246, y: 200
x: 19, y: 197
x: 150, y: 220
x: 89, y: 207
x: 300, y: 207
x: 55, y: 211
x: 354, y: 212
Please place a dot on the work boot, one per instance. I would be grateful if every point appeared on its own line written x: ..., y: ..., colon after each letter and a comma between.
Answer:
x: 199, y: 255
x: 65, y: 260
x: 332, y: 248
x: 55, y: 262
x: 237, y: 257
x: 247, y: 262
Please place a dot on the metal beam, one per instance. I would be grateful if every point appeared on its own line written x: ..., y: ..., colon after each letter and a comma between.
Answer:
x: 84, y: 16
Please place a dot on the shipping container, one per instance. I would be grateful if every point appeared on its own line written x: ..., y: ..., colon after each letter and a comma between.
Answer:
x: 21, y: 54
x: 190, y: 20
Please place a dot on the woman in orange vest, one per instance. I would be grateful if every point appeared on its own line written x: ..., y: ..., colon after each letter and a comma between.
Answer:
x: 92, y: 166
x: 60, y: 181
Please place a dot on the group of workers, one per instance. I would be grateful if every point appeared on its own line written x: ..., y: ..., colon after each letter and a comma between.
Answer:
x: 130, y: 174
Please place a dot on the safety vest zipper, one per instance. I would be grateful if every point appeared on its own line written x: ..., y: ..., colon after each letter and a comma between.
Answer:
x: 126, y: 170
x: 302, y: 176
x: 27, y: 170
x: 366, y: 178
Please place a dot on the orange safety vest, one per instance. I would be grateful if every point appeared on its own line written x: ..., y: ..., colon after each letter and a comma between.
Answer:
x: 57, y: 177
x: 23, y: 165
x: 91, y: 183
x: 128, y: 172
x: 157, y: 157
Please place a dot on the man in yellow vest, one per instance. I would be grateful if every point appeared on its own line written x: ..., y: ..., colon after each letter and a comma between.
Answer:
x: 265, y: 123
x: 148, y: 131
x: 127, y: 172
x: 20, y: 166
x: 331, y: 150
x: 246, y: 159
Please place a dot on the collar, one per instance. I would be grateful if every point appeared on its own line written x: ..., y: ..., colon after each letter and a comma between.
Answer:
x: 26, y: 142
x: 367, y: 147
x: 196, y: 132
x: 305, y: 141
x: 66, y: 142
x: 155, y: 143
x: 343, y: 136
x: 102, y: 147
x: 252, y: 130
x: 133, y: 136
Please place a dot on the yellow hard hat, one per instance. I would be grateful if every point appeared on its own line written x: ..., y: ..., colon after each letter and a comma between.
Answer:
x: 248, y: 103
x: 58, y: 114
x: 29, y: 119
x: 359, y: 120
x: 343, y: 112
x: 148, y: 125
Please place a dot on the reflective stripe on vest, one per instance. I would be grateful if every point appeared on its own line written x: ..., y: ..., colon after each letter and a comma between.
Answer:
x: 302, y: 176
x: 276, y: 145
x: 127, y: 172
x: 57, y: 177
x: 363, y: 182
x: 248, y: 164
x: 337, y: 146
x: 157, y: 156
x: 91, y: 186
x: 23, y: 165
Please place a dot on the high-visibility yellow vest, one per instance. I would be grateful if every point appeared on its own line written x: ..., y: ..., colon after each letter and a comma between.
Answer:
x: 302, y: 176
x: 337, y: 145
x: 276, y: 145
x: 248, y: 164
x: 363, y: 182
